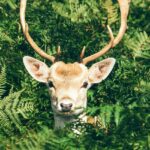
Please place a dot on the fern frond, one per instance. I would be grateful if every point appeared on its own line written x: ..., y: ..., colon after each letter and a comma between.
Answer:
x: 77, y: 11
x: 4, y: 121
x: 5, y: 37
x: 109, y: 113
x: 25, y: 107
x: 36, y: 140
x: 117, y: 114
x: 111, y: 8
x: 72, y: 10
x: 105, y: 115
x: 11, y: 107
x: 140, y: 44
x: 2, y: 81
x: 8, y: 105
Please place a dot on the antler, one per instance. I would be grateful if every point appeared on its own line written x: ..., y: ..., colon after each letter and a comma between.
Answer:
x: 124, y: 9
x: 27, y: 35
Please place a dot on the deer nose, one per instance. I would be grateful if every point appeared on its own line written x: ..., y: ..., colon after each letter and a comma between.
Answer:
x: 66, y: 107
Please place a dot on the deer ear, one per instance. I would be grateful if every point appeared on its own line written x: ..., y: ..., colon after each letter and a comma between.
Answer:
x: 37, y: 69
x: 99, y: 71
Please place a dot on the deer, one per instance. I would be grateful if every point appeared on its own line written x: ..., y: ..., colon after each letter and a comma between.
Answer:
x: 68, y: 83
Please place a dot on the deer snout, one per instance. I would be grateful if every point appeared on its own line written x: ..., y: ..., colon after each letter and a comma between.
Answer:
x: 66, y: 107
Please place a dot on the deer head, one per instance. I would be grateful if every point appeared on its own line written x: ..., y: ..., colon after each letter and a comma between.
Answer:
x: 68, y: 83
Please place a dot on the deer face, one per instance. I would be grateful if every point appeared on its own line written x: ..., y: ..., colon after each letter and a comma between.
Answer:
x: 68, y: 83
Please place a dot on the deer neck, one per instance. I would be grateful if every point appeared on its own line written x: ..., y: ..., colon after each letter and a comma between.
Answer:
x: 61, y: 121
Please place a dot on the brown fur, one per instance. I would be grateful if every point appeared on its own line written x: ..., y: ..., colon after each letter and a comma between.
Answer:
x: 68, y: 70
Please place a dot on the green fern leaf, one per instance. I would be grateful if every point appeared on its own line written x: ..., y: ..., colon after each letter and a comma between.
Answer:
x: 5, y: 37
x: 140, y: 44
x: 2, y: 81
x: 10, y: 109
x: 8, y: 104
x: 112, y: 15
x: 117, y: 114
x: 106, y: 115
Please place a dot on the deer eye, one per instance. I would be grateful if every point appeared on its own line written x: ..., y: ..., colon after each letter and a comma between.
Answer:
x: 50, y: 84
x: 84, y: 85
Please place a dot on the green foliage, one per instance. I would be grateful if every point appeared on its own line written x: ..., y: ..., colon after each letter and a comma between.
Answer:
x: 140, y: 45
x: 2, y: 81
x: 11, y: 107
x: 10, y: 3
x: 5, y: 37
x: 112, y: 15
x: 8, y: 114
x: 85, y: 11
x: 121, y: 102
x: 77, y: 11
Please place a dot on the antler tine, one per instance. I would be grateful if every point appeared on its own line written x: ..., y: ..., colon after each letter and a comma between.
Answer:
x: 58, y: 50
x: 103, y: 51
x: 27, y: 35
x: 124, y: 9
x: 82, y: 52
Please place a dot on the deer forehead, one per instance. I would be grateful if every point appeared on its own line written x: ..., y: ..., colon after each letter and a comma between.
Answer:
x: 68, y: 73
